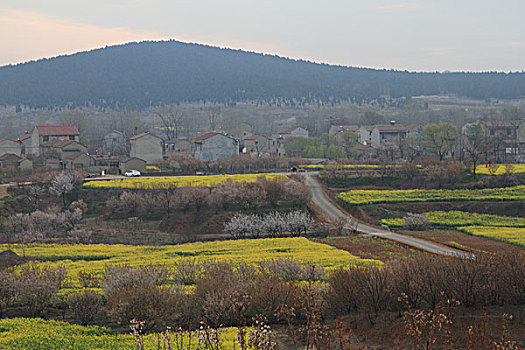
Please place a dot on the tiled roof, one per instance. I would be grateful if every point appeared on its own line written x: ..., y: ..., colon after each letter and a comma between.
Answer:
x: 138, y: 136
x: 289, y: 130
x: 57, y: 130
x: 23, y: 137
x: 368, y: 127
x: 207, y: 135
x: 74, y: 155
x: 58, y: 143
x: 10, y: 156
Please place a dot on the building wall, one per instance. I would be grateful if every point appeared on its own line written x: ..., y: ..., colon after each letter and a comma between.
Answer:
x: 10, y: 146
x: 299, y: 132
x: 133, y: 164
x: 37, y: 140
x: 147, y: 147
x: 216, y: 147
x: 261, y: 144
x: 81, y: 162
x: 363, y: 135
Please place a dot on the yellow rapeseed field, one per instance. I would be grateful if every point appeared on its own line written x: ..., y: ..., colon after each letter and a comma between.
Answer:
x: 94, y: 257
x: 179, y: 181
x: 513, y: 235
x: 37, y: 334
x: 516, y: 169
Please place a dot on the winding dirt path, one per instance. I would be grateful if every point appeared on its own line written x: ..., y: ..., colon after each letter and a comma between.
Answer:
x: 319, y: 199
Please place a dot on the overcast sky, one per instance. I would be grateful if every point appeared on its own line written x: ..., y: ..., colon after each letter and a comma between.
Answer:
x: 417, y: 35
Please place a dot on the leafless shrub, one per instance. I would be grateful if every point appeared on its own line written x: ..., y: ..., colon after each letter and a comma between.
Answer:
x: 8, y: 290
x: 84, y: 306
x: 37, y: 286
x: 157, y: 306
x: 187, y: 270
x: 118, y: 277
x: 291, y: 270
x: 415, y: 222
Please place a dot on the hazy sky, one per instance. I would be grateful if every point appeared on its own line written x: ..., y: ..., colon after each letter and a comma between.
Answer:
x: 421, y: 35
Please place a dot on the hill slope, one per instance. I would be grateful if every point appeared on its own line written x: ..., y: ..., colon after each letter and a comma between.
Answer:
x: 141, y: 74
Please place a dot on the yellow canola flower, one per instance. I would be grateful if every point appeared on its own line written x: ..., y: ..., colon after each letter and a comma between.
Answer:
x: 364, y: 197
x: 180, y: 181
x: 35, y: 333
x: 513, y: 235
x: 94, y: 257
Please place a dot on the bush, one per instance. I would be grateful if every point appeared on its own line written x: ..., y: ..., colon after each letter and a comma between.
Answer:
x: 84, y: 306
x: 415, y: 222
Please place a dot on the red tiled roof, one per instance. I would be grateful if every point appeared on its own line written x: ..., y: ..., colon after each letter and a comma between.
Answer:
x: 253, y: 137
x: 57, y: 130
x: 289, y: 130
x: 74, y: 155
x: 11, y: 157
x: 52, y: 161
x: 138, y: 136
x: 23, y: 137
x: 58, y: 143
x: 368, y: 127
x: 205, y: 136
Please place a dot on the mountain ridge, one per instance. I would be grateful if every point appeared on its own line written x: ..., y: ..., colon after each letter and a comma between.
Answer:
x: 141, y: 74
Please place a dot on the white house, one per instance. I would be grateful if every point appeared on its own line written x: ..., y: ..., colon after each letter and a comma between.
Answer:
x: 214, y: 145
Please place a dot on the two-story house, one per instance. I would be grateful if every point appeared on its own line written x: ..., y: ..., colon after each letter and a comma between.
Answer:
x: 43, y: 134
x: 147, y: 147
x: 214, y: 145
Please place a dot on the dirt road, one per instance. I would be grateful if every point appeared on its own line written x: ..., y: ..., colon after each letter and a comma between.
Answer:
x: 319, y: 199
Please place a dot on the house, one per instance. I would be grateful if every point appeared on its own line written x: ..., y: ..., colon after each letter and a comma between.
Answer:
x: 10, y: 147
x: 132, y: 164
x: 256, y: 144
x: 53, y: 163
x: 364, y: 134
x: 78, y: 160
x: 505, y: 140
x: 276, y: 146
x: 214, y: 145
x: 376, y: 135
x: 10, y: 162
x: 115, y: 143
x: 336, y: 129
x: 62, y: 149
x: 146, y: 146
x: 26, y: 164
x: 177, y: 146
x: 43, y: 134
x: 294, y: 131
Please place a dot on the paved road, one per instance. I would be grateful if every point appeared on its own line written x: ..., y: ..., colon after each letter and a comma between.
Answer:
x: 319, y: 199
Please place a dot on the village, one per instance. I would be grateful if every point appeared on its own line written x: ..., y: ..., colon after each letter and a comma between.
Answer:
x: 59, y: 147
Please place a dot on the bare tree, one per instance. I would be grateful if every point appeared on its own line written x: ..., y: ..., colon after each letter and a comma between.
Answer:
x: 171, y: 119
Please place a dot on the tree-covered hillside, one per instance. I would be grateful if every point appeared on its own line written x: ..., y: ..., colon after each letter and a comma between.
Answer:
x: 141, y: 74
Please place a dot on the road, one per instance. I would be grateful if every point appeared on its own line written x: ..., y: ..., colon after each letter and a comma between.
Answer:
x: 319, y: 199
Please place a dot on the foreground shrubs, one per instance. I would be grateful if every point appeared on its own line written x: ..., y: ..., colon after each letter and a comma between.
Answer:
x: 483, y: 281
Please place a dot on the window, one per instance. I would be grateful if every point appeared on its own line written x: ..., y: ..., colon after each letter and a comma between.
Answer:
x: 46, y: 138
x: 72, y: 137
x: 509, y: 131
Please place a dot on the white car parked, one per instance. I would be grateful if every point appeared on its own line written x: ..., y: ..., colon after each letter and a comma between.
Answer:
x: 132, y: 173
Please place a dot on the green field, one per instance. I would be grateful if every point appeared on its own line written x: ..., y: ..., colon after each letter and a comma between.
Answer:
x: 364, y: 197
x: 95, y: 257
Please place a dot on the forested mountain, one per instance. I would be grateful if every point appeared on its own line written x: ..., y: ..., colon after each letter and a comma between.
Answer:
x: 146, y: 73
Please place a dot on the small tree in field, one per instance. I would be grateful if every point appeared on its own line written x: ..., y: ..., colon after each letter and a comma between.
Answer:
x: 61, y: 185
